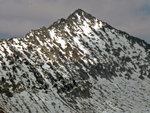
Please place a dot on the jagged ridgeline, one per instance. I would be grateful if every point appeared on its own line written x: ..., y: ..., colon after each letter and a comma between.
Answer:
x: 77, y: 65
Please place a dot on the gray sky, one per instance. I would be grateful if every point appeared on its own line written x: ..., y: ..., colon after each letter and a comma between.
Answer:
x: 17, y: 17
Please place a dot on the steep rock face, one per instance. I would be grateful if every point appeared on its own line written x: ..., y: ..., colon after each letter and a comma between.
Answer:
x: 79, y: 64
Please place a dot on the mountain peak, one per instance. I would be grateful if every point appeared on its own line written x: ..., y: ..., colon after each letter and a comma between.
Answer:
x: 79, y: 16
x: 76, y: 60
x: 79, y: 11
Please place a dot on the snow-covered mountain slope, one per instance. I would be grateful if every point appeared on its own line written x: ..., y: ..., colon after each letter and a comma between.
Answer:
x: 77, y: 65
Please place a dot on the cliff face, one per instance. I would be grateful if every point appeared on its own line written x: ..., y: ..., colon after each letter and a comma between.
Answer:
x: 79, y: 64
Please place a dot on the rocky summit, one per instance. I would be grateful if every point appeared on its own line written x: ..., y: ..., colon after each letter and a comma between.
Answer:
x: 77, y: 65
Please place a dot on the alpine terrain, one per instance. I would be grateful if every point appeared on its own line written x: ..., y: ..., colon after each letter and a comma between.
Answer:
x: 77, y: 65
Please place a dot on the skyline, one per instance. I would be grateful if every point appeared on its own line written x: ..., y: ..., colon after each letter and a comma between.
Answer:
x: 18, y: 17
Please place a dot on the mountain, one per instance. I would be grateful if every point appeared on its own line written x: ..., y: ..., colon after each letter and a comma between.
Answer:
x: 77, y: 65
